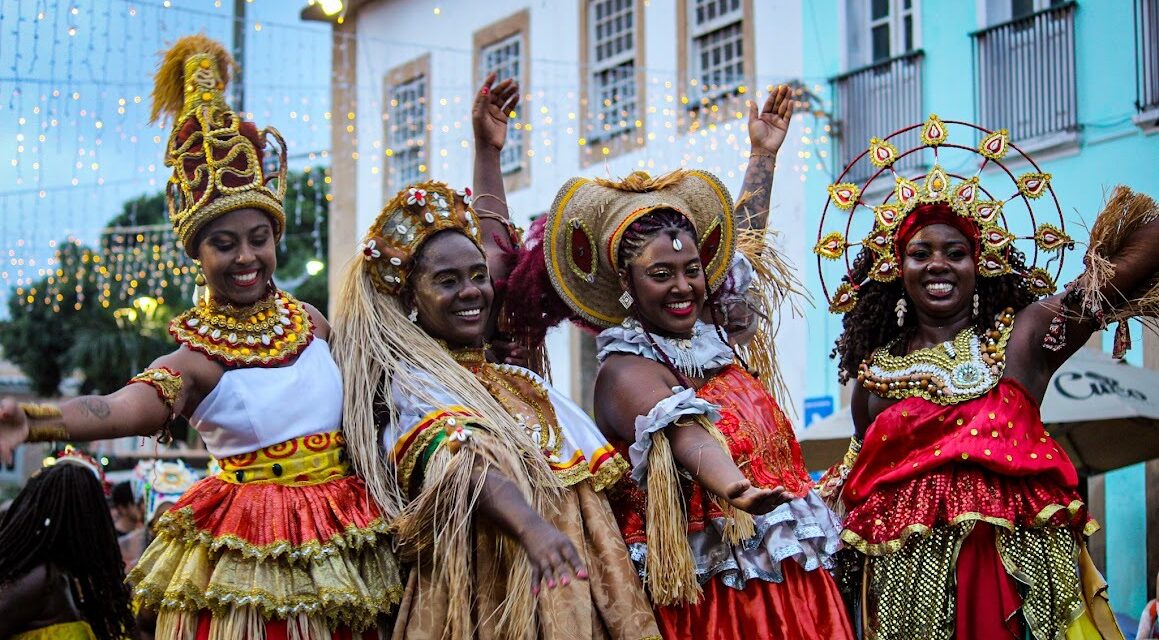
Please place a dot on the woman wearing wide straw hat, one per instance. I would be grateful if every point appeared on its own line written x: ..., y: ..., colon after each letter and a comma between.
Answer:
x: 285, y: 541
x: 964, y: 513
x: 717, y: 510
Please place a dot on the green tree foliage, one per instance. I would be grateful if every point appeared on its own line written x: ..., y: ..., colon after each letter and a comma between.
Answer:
x: 48, y: 339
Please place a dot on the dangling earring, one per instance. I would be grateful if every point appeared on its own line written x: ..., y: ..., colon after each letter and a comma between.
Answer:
x: 413, y: 316
x: 976, y: 303
x: 626, y: 300
x: 200, y: 289
x: 899, y: 310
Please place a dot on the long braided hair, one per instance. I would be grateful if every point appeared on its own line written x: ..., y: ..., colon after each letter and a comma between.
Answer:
x: 61, y: 518
x: 863, y: 328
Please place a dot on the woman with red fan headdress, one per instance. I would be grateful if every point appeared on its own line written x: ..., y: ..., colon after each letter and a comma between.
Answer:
x: 961, y: 510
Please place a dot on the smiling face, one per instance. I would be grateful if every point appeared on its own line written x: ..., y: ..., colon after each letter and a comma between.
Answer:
x: 938, y: 273
x: 237, y: 254
x: 451, y: 290
x: 667, y: 284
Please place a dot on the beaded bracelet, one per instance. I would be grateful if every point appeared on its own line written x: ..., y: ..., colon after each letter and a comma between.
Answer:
x: 167, y: 383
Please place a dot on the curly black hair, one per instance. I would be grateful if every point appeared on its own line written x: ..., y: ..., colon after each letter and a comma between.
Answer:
x: 863, y: 328
x: 61, y: 518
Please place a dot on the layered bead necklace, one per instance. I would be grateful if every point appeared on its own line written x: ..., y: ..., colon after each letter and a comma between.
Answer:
x: 522, y: 396
x: 948, y: 373
x: 270, y: 332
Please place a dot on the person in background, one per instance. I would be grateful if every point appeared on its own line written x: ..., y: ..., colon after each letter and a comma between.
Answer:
x: 61, y: 575
x: 1149, y: 619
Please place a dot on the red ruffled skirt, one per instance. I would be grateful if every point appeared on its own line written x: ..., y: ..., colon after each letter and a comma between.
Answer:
x: 283, y: 543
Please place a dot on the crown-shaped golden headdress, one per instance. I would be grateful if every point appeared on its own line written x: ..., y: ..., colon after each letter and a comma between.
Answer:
x: 216, y: 156
x: 406, y: 222
x: 939, y: 197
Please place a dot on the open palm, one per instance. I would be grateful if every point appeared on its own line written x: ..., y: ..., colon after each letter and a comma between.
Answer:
x: 769, y: 126
x: 490, y: 113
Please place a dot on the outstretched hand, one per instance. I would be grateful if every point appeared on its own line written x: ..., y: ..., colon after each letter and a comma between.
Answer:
x: 494, y: 104
x: 553, y: 558
x: 755, y: 500
x: 769, y: 126
x: 13, y: 429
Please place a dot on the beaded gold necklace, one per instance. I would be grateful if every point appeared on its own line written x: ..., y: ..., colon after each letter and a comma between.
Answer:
x: 952, y: 372
x: 269, y: 332
x: 521, y: 395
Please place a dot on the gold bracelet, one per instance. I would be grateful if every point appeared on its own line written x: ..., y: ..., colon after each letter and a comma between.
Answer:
x: 40, y: 411
x: 47, y: 433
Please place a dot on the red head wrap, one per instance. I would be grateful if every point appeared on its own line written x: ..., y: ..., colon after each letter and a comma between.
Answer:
x: 935, y: 213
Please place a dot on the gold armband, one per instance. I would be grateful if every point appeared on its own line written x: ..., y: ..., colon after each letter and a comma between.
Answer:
x: 165, y: 381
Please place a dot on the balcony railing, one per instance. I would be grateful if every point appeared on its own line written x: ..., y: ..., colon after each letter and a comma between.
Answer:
x: 874, y: 101
x: 1025, y: 74
x: 1147, y: 54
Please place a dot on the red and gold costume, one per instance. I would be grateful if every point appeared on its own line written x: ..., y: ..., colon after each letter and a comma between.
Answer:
x: 964, y: 513
x: 285, y: 541
x: 711, y: 570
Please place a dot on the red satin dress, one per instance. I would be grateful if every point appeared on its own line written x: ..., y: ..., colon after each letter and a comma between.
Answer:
x: 925, y: 468
x: 798, y: 604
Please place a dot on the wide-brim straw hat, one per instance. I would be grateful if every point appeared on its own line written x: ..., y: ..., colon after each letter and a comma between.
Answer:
x: 588, y: 219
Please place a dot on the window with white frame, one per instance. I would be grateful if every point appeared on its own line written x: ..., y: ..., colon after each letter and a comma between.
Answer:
x: 716, y: 30
x: 407, y: 127
x: 612, y: 104
x: 505, y: 59
x: 891, y: 29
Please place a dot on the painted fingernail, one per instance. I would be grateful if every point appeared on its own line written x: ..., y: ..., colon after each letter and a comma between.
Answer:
x: 485, y: 91
x: 581, y: 574
x: 551, y: 584
x: 563, y: 582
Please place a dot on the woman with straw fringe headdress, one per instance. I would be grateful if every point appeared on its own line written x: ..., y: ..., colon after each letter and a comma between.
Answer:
x: 61, y: 575
x: 717, y: 510
x: 488, y: 465
x: 956, y: 497
x: 284, y: 542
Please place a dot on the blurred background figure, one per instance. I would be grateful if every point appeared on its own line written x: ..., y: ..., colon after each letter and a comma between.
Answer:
x: 61, y: 574
x: 1149, y: 619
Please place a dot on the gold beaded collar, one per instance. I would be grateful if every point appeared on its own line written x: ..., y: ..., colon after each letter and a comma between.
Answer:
x: 472, y: 358
x: 954, y: 371
x: 270, y: 332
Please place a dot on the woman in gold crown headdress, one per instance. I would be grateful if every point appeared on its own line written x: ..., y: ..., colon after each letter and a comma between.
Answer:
x: 284, y: 541
x: 497, y: 476
x: 963, y: 514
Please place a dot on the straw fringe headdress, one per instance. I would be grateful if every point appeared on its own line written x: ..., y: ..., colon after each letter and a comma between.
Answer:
x: 380, y: 352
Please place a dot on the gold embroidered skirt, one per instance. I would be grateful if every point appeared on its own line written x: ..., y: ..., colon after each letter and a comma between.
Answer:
x: 285, y: 535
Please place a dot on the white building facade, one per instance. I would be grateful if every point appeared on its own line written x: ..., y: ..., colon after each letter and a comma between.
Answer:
x: 608, y: 87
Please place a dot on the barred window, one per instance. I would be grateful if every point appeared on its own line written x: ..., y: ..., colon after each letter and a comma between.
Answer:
x: 406, y: 130
x: 505, y: 59
x: 717, y: 51
x: 612, y: 58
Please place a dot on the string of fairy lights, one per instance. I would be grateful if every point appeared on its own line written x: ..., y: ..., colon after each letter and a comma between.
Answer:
x: 75, y: 142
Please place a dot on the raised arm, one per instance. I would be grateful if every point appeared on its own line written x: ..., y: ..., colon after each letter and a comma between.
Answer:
x: 489, y: 119
x: 768, y: 127
x: 137, y: 409
x: 1121, y: 280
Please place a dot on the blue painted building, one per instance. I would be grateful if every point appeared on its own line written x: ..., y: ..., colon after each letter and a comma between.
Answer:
x: 1077, y: 86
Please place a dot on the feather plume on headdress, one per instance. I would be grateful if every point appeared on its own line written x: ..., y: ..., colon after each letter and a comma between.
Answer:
x: 169, y: 80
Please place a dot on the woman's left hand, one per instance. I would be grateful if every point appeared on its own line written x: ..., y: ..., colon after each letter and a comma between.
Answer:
x: 769, y: 126
x: 494, y: 105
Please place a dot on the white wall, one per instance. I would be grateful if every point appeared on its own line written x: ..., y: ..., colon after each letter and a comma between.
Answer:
x: 394, y: 32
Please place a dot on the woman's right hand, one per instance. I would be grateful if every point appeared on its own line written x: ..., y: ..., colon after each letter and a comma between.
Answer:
x: 756, y: 500
x: 553, y: 558
x: 13, y: 429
